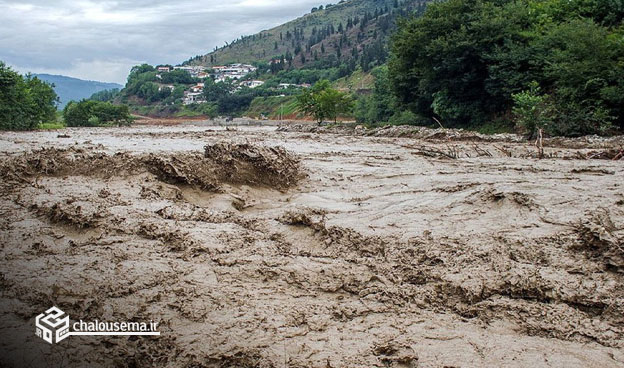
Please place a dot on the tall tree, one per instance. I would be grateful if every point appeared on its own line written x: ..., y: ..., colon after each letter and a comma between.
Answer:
x: 25, y: 102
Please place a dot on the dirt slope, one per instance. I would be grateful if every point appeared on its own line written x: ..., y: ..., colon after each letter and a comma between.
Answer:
x: 262, y: 248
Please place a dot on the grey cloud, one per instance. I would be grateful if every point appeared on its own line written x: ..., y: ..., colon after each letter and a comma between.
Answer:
x: 101, y: 40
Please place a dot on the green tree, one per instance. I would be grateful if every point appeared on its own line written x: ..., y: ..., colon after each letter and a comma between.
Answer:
x: 532, y: 110
x: 25, y: 102
x: 440, y: 61
x: 95, y: 113
x: 323, y: 102
x: 215, y: 91
x: 583, y: 66
x: 177, y: 77
x: 379, y: 106
x: 108, y: 95
x: 44, y: 99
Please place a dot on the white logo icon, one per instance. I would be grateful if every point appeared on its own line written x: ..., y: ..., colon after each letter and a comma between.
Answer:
x: 53, y: 325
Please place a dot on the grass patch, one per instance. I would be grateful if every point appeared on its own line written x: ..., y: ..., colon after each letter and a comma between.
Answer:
x: 272, y: 107
x: 188, y: 114
x: 357, y: 80
x: 494, y: 127
x: 51, y: 126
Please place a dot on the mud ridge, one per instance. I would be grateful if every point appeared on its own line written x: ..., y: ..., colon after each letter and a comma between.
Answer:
x: 600, y: 239
x: 221, y: 163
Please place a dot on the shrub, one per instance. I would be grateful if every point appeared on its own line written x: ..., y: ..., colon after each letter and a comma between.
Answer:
x: 95, y: 113
x: 322, y: 101
x: 408, y: 118
x: 532, y: 110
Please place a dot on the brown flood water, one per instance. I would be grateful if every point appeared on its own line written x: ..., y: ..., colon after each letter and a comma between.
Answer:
x: 304, y: 248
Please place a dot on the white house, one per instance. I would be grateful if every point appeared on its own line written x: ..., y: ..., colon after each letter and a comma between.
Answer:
x: 194, y: 71
x: 286, y: 85
x: 232, y: 71
x: 193, y: 98
x: 166, y: 86
x: 253, y: 83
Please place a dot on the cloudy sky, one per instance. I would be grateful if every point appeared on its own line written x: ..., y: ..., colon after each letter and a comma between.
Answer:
x: 102, y: 40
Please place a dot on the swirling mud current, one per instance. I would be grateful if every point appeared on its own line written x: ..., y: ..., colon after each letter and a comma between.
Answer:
x: 259, y: 247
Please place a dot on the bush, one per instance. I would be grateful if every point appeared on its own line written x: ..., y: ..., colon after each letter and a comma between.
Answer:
x: 575, y: 120
x: 532, y: 110
x: 408, y: 118
x: 89, y: 113
x: 209, y: 110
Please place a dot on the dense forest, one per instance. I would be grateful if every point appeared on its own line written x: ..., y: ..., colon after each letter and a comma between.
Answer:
x: 552, y: 64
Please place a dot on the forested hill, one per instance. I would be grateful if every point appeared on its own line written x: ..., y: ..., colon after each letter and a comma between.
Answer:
x: 354, y: 29
x: 72, y: 89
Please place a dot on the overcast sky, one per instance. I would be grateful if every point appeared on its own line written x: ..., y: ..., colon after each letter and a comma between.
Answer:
x: 102, y: 40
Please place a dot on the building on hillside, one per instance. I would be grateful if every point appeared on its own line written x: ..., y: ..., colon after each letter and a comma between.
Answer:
x: 194, y: 71
x: 253, y: 83
x: 220, y: 78
x: 193, y: 98
x: 164, y: 69
x: 232, y: 72
x: 199, y: 87
x: 290, y: 85
x: 166, y: 86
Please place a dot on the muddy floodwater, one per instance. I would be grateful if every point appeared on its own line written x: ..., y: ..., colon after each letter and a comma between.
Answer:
x: 313, y: 247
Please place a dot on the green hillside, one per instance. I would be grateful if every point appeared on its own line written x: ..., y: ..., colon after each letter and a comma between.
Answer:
x: 355, y: 29
x: 341, y: 43
x: 274, y: 107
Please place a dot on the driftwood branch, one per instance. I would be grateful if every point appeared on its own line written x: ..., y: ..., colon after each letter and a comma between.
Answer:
x: 505, y: 151
x: 539, y: 143
x: 438, y: 121
x: 452, y: 154
x: 481, y: 152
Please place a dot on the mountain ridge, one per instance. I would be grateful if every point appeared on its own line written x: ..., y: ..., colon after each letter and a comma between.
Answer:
x: 336, y: 33
x: 75, y: 89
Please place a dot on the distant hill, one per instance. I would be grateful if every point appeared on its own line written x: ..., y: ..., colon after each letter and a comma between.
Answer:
x: 352, y: 29
x: 69, y: 89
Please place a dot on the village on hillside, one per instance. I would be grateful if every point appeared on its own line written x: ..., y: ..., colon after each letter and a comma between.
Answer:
x: 233, y: 73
